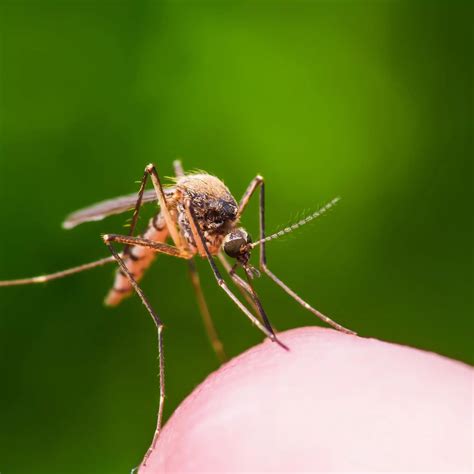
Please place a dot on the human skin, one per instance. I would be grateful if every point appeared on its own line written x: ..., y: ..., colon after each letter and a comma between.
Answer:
x: 333, y: 403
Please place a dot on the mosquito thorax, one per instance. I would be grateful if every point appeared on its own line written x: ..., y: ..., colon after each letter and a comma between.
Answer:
x: 236, y: 244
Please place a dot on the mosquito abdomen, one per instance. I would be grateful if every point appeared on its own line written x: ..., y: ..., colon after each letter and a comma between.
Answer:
x: 137, y: 259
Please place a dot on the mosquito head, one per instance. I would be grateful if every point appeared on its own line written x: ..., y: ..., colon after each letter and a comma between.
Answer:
x: 237, y: 244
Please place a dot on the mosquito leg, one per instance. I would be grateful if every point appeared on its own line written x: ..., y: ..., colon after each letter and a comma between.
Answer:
x: 255, y: 297
x: 211, y: 331
x: 57, y: 275
x: 86, y: 266
x: 138, y: 204
x: 263, y: 258
x: 254, y: 184
x: 159, y: 327
x: 244, y: 288
x: 158, y: 247
x: 202, y: 304
x: 170, y: 221
x: 199, y: 238
x: 239, y: 282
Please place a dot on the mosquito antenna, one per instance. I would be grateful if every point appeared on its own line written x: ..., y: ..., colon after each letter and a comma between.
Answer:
x: 298, y: 224
x: 55, y: 276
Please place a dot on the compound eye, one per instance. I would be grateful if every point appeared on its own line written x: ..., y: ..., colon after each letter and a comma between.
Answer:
x: 232, y: 247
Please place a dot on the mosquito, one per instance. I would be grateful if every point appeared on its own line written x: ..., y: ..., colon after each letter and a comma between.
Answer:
x: 200, y: 217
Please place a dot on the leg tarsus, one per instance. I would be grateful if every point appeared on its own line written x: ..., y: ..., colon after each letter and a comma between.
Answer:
x: 256, y: 182
x: 198, y: 236
x: 159, y: 328
x: 306, y: 305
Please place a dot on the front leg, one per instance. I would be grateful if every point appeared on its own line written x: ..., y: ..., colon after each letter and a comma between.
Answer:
x: 201, y: 242
x: 206, y: 317
x: 170, y: 221
x: 158, y: 247
x: 258, y: 181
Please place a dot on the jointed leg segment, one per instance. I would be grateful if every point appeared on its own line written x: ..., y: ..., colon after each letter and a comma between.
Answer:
x: 159, y: 327
x: 201, y: 300
x: 256, y: 182
x: 170, y: 222
x: 198, y: 236
x: 57, y: 275
x: 178, y: 251
x: 238, y: 281
x: 158, y: 247
x: 205, y: 313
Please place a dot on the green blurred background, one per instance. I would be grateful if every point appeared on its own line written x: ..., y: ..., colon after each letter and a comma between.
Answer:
x: 371, y: 101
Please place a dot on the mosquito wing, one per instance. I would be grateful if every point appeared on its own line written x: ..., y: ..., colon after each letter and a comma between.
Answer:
x: 117, y: 205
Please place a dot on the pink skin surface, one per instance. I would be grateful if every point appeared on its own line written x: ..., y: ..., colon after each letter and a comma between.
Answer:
x: 333, y: 403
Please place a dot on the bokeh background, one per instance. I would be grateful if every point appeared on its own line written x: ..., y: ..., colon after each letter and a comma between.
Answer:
x: 371, y: 101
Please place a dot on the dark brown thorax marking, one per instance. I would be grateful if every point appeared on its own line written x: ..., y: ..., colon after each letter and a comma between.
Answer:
x: 214, y: 206
x: 215, y: 209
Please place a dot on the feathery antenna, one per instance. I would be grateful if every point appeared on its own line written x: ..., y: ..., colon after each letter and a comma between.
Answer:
x: 298, y: 224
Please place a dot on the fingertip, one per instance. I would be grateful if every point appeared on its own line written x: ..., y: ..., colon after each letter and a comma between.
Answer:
x: 332, y: 393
